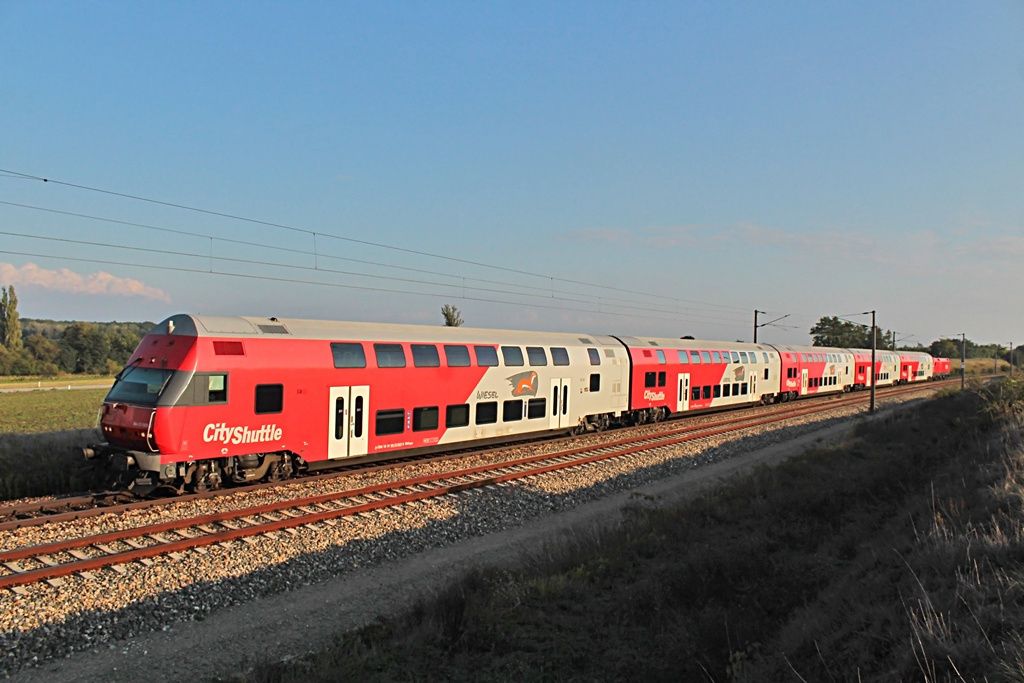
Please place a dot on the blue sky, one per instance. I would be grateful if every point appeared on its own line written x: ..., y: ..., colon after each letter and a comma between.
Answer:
x: 635, y: 168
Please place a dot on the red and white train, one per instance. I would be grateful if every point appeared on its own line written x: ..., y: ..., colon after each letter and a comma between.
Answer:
x: 207, y: 400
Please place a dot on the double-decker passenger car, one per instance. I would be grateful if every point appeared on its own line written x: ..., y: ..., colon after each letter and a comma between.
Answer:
x: 208, y: 400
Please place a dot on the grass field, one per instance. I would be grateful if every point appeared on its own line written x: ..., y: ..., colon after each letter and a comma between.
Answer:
x: 53, y: 410
x: 894, y: 557
x: 39, y: 431
x: 8, y: 382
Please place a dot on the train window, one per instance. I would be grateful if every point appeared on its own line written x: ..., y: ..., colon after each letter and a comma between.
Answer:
x: 348, y: 355
x: 766, y: 373
x: 650, y: 379
x: 743, y: 357
x: 706, y: 392
x: 695, y: 357
x: 217, y: 389
x: 684, y: 357
x: 718, y: 357
x: 425, y: 356
x: 695, y: 393
x: 595, y: 382
x: 735, y: 357
x: 536, y: 355
x: 726, y: 390
x: 661, y: 379
x: 559, y: 356
x: 389, y: 355
x: 565, y: 398
x: 456, y: 416
x: 512, y: 411
x: 554, y: 402
x: 536, y: 408
x: 424, y: 419
x: 390, y: 422
x: 595, y: 357
x: 358, y: 431
x: 269, y: 398
x: 512, y: 355
x: 743, y: 388
x: 803, y: 357
x: 339, y: 418
x: 457, y: 356
x: 487, y: 413
x: 661, y: 357
x: 486, y: 356
x: 765, y: 357
x: 718, y: 390
x: 735, y: 389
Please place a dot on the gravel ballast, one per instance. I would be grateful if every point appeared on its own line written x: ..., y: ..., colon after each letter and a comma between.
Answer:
x: 209, y: 612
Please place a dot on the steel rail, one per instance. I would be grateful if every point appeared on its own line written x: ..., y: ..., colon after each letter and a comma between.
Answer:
x: 496, y: 473
x: 97, y: 509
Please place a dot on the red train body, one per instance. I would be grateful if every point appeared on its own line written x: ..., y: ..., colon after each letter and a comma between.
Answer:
x: 207, y: 400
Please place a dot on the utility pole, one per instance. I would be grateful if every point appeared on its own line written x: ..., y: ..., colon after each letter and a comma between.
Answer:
x: 963, y: 360
x: 755, y: 324
x: 1011, y: 359
x: 874, y: 375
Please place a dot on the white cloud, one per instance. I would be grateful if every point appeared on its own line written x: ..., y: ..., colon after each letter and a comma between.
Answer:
x: 64, y: 280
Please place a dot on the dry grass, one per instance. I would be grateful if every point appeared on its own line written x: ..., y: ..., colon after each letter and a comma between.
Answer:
x: 895, y: 557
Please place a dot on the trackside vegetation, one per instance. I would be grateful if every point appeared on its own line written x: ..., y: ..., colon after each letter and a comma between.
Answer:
x: 896, y: 556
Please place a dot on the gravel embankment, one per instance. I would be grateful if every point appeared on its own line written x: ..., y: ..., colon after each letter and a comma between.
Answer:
x: 56, y: 621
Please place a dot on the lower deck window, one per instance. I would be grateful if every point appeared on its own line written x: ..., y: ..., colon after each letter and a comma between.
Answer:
x: 456, y: 416
x: 390, y: 422
x: 512, y: 411
x: 536, y: 408
x: 487, y: 413
x: 424, y: 419
x: 707, y: 392
x: 269, y: 398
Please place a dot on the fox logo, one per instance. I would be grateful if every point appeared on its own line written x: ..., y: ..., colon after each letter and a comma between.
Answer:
x: 524, y: 384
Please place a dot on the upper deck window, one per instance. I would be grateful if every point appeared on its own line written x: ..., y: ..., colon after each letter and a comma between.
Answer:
x: 457, y: 356
x: 512, y: 356
x: 595, y: 357
x: 348, y: 355
x: 425, y: 356
x: 559, y: 356
x: 389, y: 355
x: 486, y: 356
x: 536, y: 355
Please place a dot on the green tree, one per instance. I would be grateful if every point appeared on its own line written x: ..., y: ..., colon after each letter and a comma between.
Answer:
x: 44, y: 350
x: 451, y: 315
x: 832, y: 331
x: 84, y: 349
x: 10, y: 326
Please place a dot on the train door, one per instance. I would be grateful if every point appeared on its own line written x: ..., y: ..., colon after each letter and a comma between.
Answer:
x: 348, y: 423
x: 753, y: 387
x: 683, y: 400
x: 559, y: 415
x: 803, y: 381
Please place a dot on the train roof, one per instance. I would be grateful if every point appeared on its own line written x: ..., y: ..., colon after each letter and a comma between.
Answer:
x: 708, y: 344
x: 248, y: 327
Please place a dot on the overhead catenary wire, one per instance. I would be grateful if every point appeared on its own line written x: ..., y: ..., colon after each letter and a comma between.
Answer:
x: 269, y: 278
x: 316, y: 254
x: 227, y: 259
x: 185, y: 207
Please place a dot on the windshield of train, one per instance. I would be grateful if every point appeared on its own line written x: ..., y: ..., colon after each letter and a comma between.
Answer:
x: 139, y: 385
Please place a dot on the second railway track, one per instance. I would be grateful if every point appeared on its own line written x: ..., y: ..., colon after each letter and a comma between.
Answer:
x: 83, y: 555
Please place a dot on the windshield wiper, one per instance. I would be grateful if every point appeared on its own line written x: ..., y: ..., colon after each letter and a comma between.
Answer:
x: 124, y: 371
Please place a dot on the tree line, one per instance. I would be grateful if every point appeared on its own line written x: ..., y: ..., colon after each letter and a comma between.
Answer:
x: 52, y: 347
x: 832, y: 331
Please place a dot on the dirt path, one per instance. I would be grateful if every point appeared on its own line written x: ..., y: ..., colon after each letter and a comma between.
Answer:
x: 291, y: 624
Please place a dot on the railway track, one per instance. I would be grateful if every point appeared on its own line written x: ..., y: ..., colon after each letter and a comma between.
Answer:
x: 84, y: 506
x: 112, y: 550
